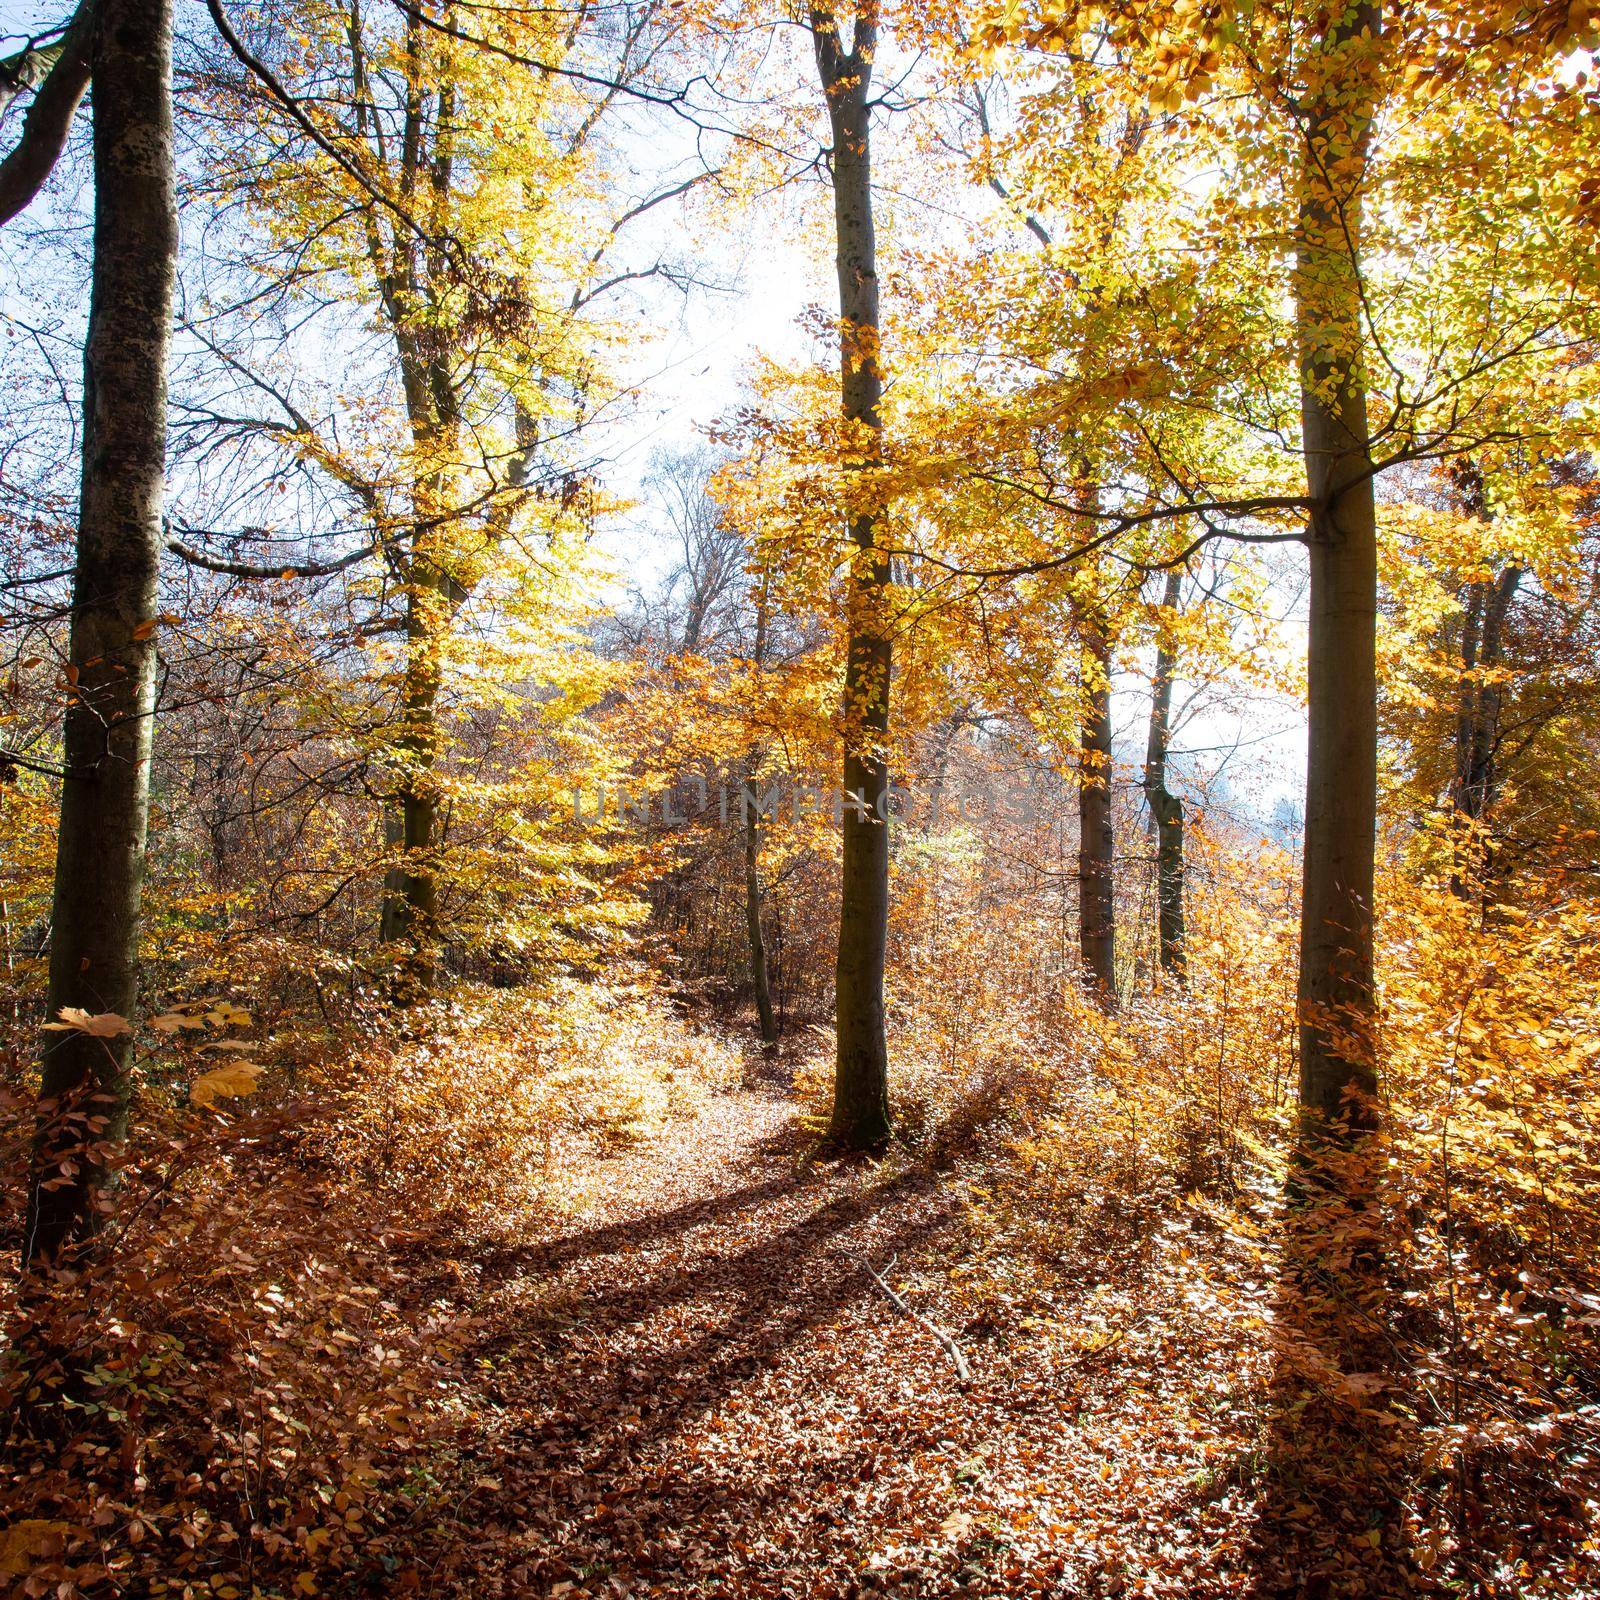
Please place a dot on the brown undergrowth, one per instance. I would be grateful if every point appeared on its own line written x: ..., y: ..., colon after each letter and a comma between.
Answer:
x: 251, y: 1386
x: 479, y: 1303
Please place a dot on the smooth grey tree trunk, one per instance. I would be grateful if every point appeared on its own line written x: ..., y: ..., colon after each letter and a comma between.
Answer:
x: 1097, y: 900
x: 1467, y: 702
x: 105, y: 796
x: 1166, y: 809
x: 1478, y: 725
x: 1337, y: 1068
x: 393, y: 912
x: 860, y: 1118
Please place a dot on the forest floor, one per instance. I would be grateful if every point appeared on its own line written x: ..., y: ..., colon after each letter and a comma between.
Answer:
x: 695, y: 1388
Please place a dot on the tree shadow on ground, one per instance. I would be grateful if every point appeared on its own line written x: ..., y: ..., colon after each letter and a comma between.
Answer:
x: 634, y: 1233
x: 1331, y: 1473
x: 599, y: 1395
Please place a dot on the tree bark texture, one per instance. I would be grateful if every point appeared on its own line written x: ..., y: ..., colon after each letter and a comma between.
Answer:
x: 1337, y: 1072
x: 860, y: 1118
x: 105, y: 796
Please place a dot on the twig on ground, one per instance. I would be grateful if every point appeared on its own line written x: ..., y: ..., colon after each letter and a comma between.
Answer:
x: 963, y: 1371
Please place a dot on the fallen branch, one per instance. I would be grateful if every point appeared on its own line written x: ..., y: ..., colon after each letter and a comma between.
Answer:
x: 963, y: 1371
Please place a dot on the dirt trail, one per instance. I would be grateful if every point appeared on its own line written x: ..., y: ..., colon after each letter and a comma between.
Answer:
x: 695, y: 1390
x: 704, y: 1392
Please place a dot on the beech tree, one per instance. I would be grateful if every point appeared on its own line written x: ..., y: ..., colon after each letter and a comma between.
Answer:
x: 1097, y: 887
x: 1216, y: 330
x: 1313, y: 104
x: 860, y: 1118
x: 100, y: 861
x: 59, y: 71
x: 460, y: 188
x: 1338, y: 1079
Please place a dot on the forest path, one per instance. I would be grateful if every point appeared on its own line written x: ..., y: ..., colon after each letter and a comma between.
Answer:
x: 698, y: 1389
x: 695, y: 1389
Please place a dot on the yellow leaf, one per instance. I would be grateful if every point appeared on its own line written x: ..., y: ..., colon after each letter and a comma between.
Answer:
x: 225, y: 1083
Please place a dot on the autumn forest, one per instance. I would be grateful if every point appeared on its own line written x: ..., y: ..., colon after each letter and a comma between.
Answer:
x: 796, y: 801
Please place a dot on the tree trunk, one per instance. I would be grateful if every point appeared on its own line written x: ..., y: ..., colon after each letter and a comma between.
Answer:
x: 100, y: 853
x: 1467, y: 702
x: 759, y: 978
x: 1337, y: 1073
x: 861, y: 1079
x: 752, y: 911
x: 1097, y: 908
x: 1478, y: 728
x: 391, y: 924
x: 1476, y: 781
x: 1166, y: 809
x: 406, y: 274
x: 411, y: 910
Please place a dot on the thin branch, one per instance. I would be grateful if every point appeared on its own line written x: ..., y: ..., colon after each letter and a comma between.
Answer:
x: 15, y: 758
x: 963, y: 1371
x: 275, y: 86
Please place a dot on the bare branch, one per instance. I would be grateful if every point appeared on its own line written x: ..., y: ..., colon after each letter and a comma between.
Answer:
x: 49, y: 119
